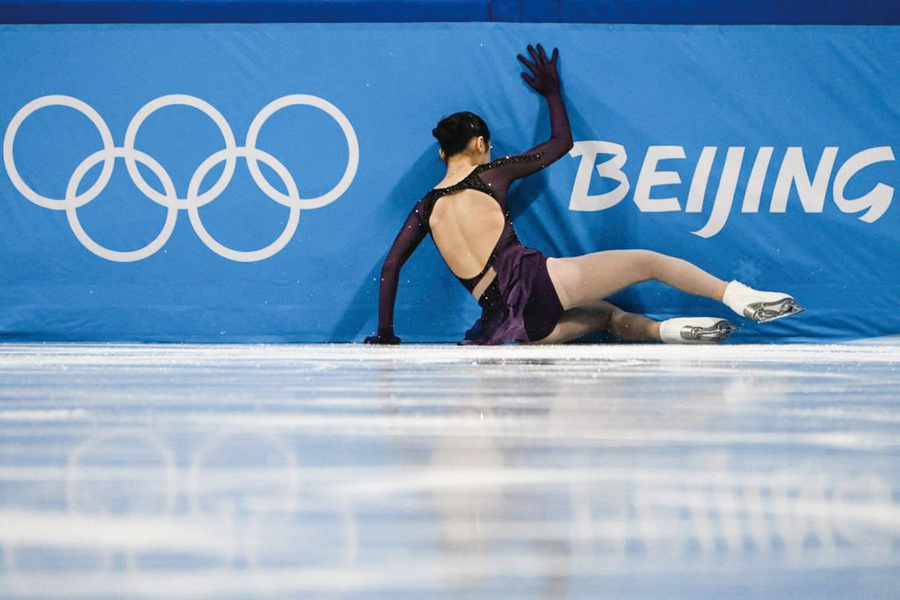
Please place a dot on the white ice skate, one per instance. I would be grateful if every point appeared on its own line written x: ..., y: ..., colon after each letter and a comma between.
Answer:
x: 759, y: 306
x: 695, y: 330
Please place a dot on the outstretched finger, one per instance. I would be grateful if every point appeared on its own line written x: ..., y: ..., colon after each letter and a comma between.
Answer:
x: 525, y: 62
x: 555, y: 56
x: 534, y: 54
x: 528, y: 79
x: 542, y: 53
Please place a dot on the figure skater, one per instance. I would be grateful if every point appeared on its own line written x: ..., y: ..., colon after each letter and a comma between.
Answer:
x: 525, y: 296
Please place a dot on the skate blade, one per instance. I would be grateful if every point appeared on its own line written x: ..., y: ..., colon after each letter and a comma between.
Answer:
x: 763, y: 312
x: 709, y: 335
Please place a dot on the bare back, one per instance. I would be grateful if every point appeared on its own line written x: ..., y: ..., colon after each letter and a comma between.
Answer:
x: 465, y: 227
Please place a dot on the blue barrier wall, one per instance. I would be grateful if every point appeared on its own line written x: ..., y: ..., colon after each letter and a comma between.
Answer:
x: 129, y: 209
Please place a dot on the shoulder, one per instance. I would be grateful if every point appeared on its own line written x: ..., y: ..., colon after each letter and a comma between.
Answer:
x: 422, y: 209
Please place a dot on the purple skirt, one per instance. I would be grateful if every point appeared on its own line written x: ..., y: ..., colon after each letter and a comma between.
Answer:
x: 521, y: 304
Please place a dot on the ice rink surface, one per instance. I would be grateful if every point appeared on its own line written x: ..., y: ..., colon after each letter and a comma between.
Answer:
x: 439, y: 472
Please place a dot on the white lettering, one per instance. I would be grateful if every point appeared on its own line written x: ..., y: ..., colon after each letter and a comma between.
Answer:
x: 793, y: 172
x: 879, y: 199
x: 650, y: 178
x: 700, y: 180
x: 725, y: 195
x: 608, y: 169
x: 757, y: 179
x: 792, y: 175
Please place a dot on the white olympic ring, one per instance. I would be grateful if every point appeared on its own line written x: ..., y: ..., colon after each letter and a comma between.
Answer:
x: 194, y: 199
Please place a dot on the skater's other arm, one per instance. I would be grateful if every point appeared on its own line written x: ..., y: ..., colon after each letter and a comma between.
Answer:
x: 411, y: 234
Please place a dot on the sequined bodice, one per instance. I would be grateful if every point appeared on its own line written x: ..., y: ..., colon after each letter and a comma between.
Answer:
x: 476, y: 181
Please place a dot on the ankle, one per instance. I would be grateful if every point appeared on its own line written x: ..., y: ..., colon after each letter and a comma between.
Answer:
x: 721, y: 287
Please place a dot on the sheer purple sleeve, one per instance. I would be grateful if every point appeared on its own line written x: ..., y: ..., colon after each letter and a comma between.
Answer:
x: 516, y: 166
x: 411, y: 235
x: 544, y: 79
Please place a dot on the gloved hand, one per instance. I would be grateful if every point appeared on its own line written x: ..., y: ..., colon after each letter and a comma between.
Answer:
x: 544, y: 77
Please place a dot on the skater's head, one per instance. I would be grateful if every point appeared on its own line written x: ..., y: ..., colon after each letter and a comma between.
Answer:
x: 463, y: 133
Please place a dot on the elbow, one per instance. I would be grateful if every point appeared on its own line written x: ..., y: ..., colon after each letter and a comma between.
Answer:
x: 565, y: 141
x: 566, y: 137
x: 389, y: 269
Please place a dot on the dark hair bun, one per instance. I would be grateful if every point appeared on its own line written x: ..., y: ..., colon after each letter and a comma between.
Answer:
x: 454, y: 132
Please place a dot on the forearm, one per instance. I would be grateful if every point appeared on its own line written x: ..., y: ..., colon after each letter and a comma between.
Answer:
x: 412, y: 232
x: 560, y: 131
x: 544, y: 79
x: 386, y: 298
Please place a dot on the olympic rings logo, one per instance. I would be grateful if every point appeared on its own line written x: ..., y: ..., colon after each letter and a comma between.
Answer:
x: 168, y: 198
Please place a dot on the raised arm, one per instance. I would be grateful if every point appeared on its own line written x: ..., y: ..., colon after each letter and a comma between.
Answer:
x: 411, y: 234
x: 544, y: 78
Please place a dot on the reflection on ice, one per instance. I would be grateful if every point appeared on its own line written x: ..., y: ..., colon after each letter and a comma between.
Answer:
x: 440, y: 472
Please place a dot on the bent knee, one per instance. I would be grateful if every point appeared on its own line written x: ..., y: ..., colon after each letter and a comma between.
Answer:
x: 652, y: 264
x: 617, y: 322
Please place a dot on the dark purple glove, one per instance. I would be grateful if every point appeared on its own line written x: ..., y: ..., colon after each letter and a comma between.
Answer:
x: 544, y: 78
x: 381, y: 338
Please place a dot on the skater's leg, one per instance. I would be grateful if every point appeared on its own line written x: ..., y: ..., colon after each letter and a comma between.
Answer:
x: 602, y: 316
x: 630, y: 327
x: 583, y: 280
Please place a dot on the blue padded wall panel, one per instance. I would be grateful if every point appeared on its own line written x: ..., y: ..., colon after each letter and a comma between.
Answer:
x: 244, y: 182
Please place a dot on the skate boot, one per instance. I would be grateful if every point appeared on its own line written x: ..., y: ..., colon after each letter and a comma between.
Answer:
x: 695, y: 330
x: 759, y: 306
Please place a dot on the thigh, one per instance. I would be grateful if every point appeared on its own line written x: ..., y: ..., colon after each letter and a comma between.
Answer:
x: 585, y: 280
x: 578, y: 322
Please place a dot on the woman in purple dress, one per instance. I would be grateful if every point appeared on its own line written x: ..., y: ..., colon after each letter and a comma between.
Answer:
x: 525, y: 296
